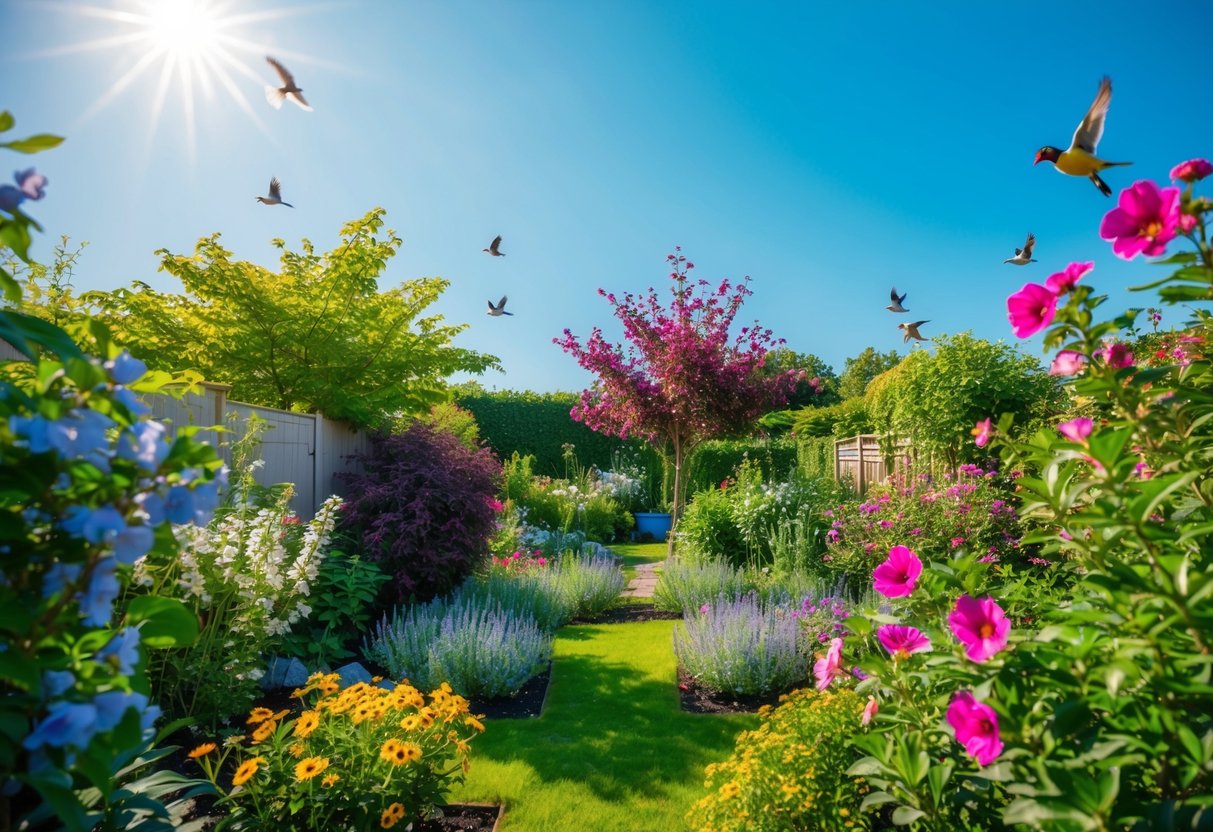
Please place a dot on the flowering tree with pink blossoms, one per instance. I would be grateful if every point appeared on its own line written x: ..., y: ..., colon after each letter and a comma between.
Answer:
x: 681, y: 379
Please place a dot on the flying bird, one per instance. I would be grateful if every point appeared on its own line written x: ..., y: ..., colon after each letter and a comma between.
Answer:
x: 493, y: 247
x: 275, y: 95
x: 1023, y: 256
x: 896, y: 306
x: 1079, y: 158
x: 911, y: 331
x: 275, y: 197
x: 498, y: 310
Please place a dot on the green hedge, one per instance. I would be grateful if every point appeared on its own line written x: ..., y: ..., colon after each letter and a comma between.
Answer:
x: 718, y: 459
x: 815, y: 455
x: 538, y: 424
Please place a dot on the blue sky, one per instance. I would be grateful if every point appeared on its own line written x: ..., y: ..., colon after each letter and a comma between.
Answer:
x: 829, y: 151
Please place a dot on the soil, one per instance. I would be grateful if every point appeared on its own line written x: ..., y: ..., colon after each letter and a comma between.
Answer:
x: 630, y: 613
x: 461, y: 818
x: 699, y: 699
x: 528, y: 702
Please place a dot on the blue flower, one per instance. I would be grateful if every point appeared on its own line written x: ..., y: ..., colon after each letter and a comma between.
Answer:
x: 144, y: 444
x: 97, y: 600
x: 125, y: 368
x: 33, y: 429
x: 67, y: 723
x: 31, y: 183
x: 81, y: 435
x: 152, y: 505
x: 10, y: 198
x: 132, y: 543
x: 103, y: 525
x: 55, y: 683
x: 113, y: 705
x: 179, y: 505
x: 58, y: 577
x: 206, y: 500
x: 127, y: 398
x: 123, y: 649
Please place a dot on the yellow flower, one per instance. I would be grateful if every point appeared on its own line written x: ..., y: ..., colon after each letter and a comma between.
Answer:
x: 730, y: 790
x: 306, y: 723
x: 297, y: 750
x: 475, y: 723
x: 400, y: 753
x: 411, y: 722
x: 330, y: 779
x: 264, y: 731
x: 202, y: 750
x: 426, y: 715
x: 376, y: 679
x: 247, y: 769
x: 259, y: 715
x: 389, y: 749
x: 309, y: 768
x: 391, y: 815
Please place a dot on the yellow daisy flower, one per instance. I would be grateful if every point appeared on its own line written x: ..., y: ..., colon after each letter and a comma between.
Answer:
x: 330, y: 779
x: 202, y: 750
x: 400, y: 753
x: 309, y: 768
x: 389, y: 750
x: 297, y: 750
x: 264, y: 731
x: 259, y: 715
x: 730, y: 790
x: 475, y: 723
x: 391, y: 815
x: 247, y: 769
x: 411, y: 722
x: 306, y: 723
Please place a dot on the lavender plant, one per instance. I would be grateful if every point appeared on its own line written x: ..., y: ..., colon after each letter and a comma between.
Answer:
x: 741, y: 646
x: 519, y: 593
x: 686, y: 586
x: 586, y: 586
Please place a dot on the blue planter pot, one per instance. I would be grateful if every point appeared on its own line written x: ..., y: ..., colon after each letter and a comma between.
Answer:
x: 653, y: 523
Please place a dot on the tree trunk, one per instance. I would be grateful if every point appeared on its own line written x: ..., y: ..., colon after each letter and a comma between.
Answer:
x: 676, y: 504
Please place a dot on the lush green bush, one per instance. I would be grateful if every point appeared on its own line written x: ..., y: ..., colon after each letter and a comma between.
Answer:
x: 450, y: 417
x: 815, y: 457
x: 789, y: 774
x: 588, y: 501
x: 848, y: 418
x: 342, y: 601
x: 718, y: 460
x: 707, y: 532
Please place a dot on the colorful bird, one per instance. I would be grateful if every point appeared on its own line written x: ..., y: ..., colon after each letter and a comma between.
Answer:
x: 275, y: 197
x: 493, y: 246
x: 1079, y: 158
x: 911, y: 331
x: 498, y: 310
x: 896, y: 306
x: 275, y: 95
x: 1023, y: 256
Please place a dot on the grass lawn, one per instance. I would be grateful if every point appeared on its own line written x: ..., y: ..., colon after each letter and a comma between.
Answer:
x: 613, y: 750
x: 634, y: 554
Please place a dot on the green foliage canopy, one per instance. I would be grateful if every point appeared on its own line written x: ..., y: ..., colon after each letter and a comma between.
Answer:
x: 317, y: 336
x: 860, y: 370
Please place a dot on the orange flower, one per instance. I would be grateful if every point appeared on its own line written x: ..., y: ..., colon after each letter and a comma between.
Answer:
x: 264, y: 731
x: 306, y: 723
x: 475, y: 723
x: 202, y: 750
x: 259, y: 715
x: 391, y: 815
x: 309, y: 768
x: 330, y: 779
x: 247, y: 769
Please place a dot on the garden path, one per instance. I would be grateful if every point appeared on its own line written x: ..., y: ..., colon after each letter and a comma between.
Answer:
x: 645, y: 581
x: 613, y: 750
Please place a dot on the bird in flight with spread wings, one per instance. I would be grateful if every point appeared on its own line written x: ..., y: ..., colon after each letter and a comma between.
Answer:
x: 288, y: 90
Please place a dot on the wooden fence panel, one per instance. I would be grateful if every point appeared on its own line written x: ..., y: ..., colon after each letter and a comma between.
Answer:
x: 860, y: 459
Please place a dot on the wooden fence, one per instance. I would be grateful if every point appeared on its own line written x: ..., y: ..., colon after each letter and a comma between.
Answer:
x: 862, y: 460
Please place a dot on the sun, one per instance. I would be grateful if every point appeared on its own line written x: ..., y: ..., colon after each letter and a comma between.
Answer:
x: 190, y: 47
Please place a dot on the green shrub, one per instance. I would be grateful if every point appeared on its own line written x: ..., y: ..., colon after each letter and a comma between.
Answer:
x: 844, y: 419
x: 706, y: 530
x: 789, y: 774
x: 815, y: 456
x: 718, y: 460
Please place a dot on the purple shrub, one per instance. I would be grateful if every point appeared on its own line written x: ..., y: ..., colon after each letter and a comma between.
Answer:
x: 421, y: 507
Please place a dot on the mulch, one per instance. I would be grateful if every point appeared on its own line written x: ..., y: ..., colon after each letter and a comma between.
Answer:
x: 630, y: 614
x: 700, y: 699
x: 461, y: 818
x: 528, y: 702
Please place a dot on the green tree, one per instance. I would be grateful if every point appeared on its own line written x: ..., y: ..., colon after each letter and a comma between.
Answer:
x: 935, y: 400
x: 47, y: 290
x: 319, y: 335
x: 860, y: 370
x: 807, y: 394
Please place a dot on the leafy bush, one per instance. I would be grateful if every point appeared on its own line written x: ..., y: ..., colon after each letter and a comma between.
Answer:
x: 789, y: 774
x: 848, y: 418
x: 706, y: 531
x: 974, y: 512
x: 717, y: 460
x: 343, y: 600
x: 476, y: 645
x: 451, y: 418
x: 359, y: 758
x: 421, y: 506
x: 588, y: 501
x: 741, y: 646
x: 815, y: 457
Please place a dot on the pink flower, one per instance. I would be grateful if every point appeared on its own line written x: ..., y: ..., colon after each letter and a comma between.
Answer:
x: 1187, y: 223
x: 1031, y: 309
x: 1143, y: 221
x: 1064, y: 281
x: 902, y: 641
x: 1192, y: 170
x: 869, y: 710
x: 981, y: 433
x: 980, y: 625
x: 829, y: 666
x: 1067, y: 363
x: 957, y: 541
x: 1116, y: 355
x: 895, y: 578
x: 1076, y: 430
x: 976, y: 727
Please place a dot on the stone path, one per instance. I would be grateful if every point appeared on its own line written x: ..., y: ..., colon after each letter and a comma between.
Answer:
x: 644, y: 583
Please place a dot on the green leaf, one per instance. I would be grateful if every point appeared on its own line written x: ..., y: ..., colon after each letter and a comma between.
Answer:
x: 6, y: 121
x: 16, y: 236
x: 11, y: 288
x: 1178, y: 294
x: 876, y: 799
x: 166, y: 621
x: 866, y: 767
x: 34, y: 144
x: 26, y: 332
x: 904, y: 815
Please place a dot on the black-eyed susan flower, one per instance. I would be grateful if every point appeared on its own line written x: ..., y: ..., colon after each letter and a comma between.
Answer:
x: 247, y: 769
x: 474, y: 723
x: 411, y: 722
x: 400, y: 753
x: 389, y: 750
x: 202, y: 750
x: 259, y: 715
x: 306, y: 723
x: 330, y: 779
x: 391, y: 815
x: 309, y: 768
x: 264, y: 731
x: 297, y: 750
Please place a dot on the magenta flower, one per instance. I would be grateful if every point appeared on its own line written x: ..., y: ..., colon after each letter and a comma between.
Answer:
x: 1063, y: 281
x: 1192, y: 170
x: 1187, y: 223
x: 869, y: 710
x: 976, y: 727
x: 981, y: 433
x: 1031, y: 309
x: 895, y: 578
x: 1076, y: 430
x: 829, y: 666
x: 980, y: 625
x: 1143, y: 221
x: 1067, y: 363
x: 1117, y: 355
x: 902, y: 641
x: 957, y: 541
